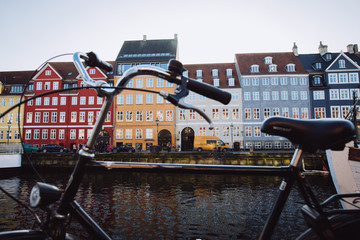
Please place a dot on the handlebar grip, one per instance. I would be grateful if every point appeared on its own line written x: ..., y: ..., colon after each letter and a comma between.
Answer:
x: 209, y: 91
x: 94, y: 61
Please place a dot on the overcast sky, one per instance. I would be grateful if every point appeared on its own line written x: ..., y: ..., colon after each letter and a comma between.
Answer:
x: 208, y: 31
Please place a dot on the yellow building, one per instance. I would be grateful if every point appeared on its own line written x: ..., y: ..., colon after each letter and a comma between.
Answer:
x: 11, y: 124
x: 143, y: 119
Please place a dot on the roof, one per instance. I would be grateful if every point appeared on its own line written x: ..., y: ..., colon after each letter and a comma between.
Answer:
x: 16, y: 77
x: 281, y: 59
x: 207, y: 73
x: 148, y: 50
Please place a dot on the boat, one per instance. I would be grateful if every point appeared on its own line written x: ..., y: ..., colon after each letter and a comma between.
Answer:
x: 10, y: 158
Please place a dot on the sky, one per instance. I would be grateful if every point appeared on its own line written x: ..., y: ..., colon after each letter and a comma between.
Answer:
x: 209, y: 31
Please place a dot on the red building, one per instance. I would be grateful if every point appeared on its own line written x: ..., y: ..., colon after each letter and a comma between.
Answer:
x: 64, y: 118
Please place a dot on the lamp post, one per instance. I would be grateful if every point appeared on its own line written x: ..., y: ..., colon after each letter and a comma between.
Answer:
x: 231, y: 132
x: 157, y: 130
x: 8, y: 132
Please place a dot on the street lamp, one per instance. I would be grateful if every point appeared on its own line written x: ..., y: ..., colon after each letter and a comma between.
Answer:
x: 157, y: 130
x: 8, y: 132
x: 231, y: 128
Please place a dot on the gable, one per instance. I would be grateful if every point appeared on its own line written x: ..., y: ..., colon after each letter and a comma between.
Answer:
x: 342, y: 63
x: 47, y: 73
x: 94, y: 73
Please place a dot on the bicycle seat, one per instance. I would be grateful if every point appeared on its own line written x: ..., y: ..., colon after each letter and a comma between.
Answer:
x: 314, y: 134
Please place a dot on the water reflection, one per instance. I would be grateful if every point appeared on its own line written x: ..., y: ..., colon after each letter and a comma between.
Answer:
x: 135, y: 205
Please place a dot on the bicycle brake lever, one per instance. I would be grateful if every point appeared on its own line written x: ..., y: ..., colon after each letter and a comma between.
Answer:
x: 178, y: 100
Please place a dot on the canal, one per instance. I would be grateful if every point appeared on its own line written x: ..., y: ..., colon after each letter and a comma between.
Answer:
x: 145, y: 205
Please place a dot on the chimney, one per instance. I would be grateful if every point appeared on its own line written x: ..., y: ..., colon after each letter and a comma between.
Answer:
x: 350, y: 48
x: 295, y: 50
x: 175, y: 36
x: 356, y: 49
x: 322, y: 49
x: 144, y: 37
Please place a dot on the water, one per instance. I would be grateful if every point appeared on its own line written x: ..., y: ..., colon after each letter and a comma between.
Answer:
x: 140, y: 205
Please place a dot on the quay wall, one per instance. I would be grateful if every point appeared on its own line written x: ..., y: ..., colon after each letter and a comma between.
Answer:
x: 312, y: 161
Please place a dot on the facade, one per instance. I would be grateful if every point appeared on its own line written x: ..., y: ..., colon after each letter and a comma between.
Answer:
x: 143, y: 119
x: 273, y: 84
x: 11, y: 124
x: 64, y: 118
x: 334, y: 81
x: 226, y: 118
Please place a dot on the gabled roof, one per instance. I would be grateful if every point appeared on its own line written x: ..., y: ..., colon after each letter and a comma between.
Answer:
x: 281, y: 59
x: 17, y: 77
x: 344, y: 56
x: 207, y: 73
x: 148, y: 50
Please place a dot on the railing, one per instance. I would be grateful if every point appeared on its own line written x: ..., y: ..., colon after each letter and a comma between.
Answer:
x: 11, y: 148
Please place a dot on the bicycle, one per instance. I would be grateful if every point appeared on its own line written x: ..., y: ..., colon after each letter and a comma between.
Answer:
x: 308, y: 135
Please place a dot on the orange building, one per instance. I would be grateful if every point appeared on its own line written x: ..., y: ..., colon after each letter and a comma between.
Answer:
x: 143, y: 119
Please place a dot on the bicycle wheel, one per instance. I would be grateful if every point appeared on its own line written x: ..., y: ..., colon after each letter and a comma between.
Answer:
x: 22, y: 235
x: 345, y: 227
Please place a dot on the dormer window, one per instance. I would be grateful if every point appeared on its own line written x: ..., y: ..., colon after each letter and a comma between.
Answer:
x: 216, y: 82
x: 317, y: 66
x: 316, y: 81
x: 215, y: 73
x: 92, y: 71
x: 229, y: 73
x: 199, y: 74
x: 341, y: 63
x: 290, y: 67
x: 268, y: 60
x: 273, y: 68
x: 254, y: 68
x: 327, y: 57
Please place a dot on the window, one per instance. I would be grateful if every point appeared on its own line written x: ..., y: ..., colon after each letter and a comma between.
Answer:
x: 119, y: 134
x: 45, y: 117
x: 11, y: 102
x: 62, y: 117
x: 295, y: 112
x: 82, y: 117
x: 225, y: 131
x: 275, y: 95
x: 128, y: 133
x: 254, y: 68
x: 316, y: 80
x: 149, y: 133
x: 3, y: 102
x: 149, y: 99
x: 91, y: 100
x: 81, y: 133
x: 266, y: 96
x: 159, y: 83
x: 247, y: 112
x: 256, y: 113
x: 272, y: 68
x: 82, y: 100
x: 290, y: 67
x: 235, y: 113
x: 74, y: 101
x: 276, y: 111
x: 138, y: 133
x: 333, y: 78
x: 39, y: 86
x: 119, y: 116
x: 335, y: 111
x: 319, y: 112
x: 216, y: 82
x: 182, y: 114
x: 303, y: 95
x: 27, y: 135
x: 344, y: 94
x: 47, y: 86
x: 319, y: 95
x: 343, y: 78
x: 198, y: 74
x: 274, y: 81
x: 160, y: 99
x: 160, y: 115
x: 47, y: 72
x: 317, y: 65
x: 139, y: 116
x: 61, y: 133
x: 149, y: 83
x: 266, y: 112
x: 37, y: 134
x: 284, y: 95
x: 139, y: 99
x: 256, y: 96
x: 302, y: 81
x: 53, y: 134
x: 257, y: 132
x: 215, y: 113
x: 44, y: 134
x: 285, y: 112
x: 344, y: 111
x: 353, y: 78
x: 169, y: 115
x: 38, y: 101
x: 129, y: 99
x: 229, y: 73
x: 246, y: 82
x: 234, y: 96
x: 29, y: 117
x: 293, y: 81
x: 334, y: 94
x: 73, y: 116
x: 268, y: 60
x: 120, y: 99
x: 149, y: 116
x: 342, y: 64
x: 202, y: 131
x: 247, y: 96
x: 129, y: 116
x: 248, y: 131
x: 63, y: 101
x: 72, y: 133
x: 129, y: 84
x: 225, y: 113
x: 283, y: 81
x: 99, y: 100
x: 255, y: 82
x: 304, y: 113
x: 90, y: 117
x: 265, y: 81
x: 54, y: 117
x: 215, y: 73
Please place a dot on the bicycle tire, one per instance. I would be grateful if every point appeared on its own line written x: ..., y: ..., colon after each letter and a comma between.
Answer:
x: 22, y: 235
x: 345, y: 227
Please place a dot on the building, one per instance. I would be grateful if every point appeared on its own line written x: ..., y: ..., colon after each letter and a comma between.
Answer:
x: 143, y: 119
x: 334, y: 81
x: 12, y: 84
x: 273, y: 84
x: 65, y: 117
x: 226, y: 118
